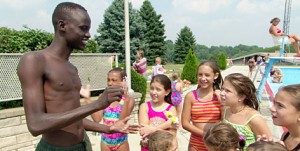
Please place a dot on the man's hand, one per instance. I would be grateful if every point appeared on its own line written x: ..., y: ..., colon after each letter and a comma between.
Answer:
x: 110, y: 94
x: 121, y: 126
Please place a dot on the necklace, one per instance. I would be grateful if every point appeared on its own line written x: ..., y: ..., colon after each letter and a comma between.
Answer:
x: 239, y: 110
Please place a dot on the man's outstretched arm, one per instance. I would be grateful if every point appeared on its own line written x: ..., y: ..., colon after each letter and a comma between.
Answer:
x: 119, y: 126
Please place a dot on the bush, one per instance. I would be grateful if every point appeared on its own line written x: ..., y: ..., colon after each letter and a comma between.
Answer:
x: 190, y: 67
x: 222, y: 63
x: 11, y: 104
x: 138, y: 84
x: 13, y: 41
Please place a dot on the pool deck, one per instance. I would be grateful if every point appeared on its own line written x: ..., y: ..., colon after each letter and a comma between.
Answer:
x: 183, y: 136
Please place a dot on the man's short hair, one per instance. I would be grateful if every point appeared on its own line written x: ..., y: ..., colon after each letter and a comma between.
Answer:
x: 63, y: 10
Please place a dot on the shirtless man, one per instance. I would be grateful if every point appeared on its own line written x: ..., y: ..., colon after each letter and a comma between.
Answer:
x: 51, y: 85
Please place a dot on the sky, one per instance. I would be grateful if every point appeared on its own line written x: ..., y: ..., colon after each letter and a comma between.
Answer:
x: 213, y: 22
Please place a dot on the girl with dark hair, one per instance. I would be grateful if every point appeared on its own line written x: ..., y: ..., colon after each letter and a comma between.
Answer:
x: 286, y: 113
x: 238, y: 94
x: 152, y: 113
x: 115, y: 111
x: 202, y: 109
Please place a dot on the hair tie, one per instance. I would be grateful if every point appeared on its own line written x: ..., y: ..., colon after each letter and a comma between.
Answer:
x: 242, y: 138
x: 242, y: 142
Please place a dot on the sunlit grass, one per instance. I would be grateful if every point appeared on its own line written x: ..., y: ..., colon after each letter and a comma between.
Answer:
x: 170, y: 68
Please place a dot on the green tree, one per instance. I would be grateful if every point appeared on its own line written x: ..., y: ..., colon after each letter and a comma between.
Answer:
x: 170, y: 51
x: 202, y: 52
x: 112, y: 30
x: 214, y: 55
x: 222, y: 63
x: 154, y: 34
x: 184, y: 42
x: 190, y: 67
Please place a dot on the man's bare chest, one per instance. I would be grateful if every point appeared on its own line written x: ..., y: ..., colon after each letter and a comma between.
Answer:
x: 62, y: 76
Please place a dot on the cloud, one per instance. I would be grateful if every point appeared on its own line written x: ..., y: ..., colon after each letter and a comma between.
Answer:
x: 42, y: 14
x: 19, y: 5
x: 136, y: 3
x: 258, y: 6
x: 199, y: 6
x: 96, y: 9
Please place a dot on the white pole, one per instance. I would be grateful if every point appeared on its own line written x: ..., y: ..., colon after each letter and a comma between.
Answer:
x: 127, y: 44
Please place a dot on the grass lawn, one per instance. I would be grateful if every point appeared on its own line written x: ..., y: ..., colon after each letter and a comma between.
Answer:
x: 174, y: 68
x: 170, y: 68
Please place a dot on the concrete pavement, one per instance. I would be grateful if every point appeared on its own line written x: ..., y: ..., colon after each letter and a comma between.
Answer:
x: 183, y: 136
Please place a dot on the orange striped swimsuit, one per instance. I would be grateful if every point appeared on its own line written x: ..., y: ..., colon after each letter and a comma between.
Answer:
x: 204, y: 112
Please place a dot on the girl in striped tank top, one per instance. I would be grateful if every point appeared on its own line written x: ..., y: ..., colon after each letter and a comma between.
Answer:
x: 202, y: 109
x: 238, y: 93
x: 114, y: 112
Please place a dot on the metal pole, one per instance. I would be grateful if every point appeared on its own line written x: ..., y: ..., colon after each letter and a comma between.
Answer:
x: 117, y: 60
x: 127, y: 44
x: 264, y: 78
x: 286, y: 24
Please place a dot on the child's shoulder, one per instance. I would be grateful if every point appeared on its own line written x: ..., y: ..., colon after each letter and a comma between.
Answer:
x: 145, y: 104
x: 252, y: 115
x: 190, y: 94
x: 251, y: 111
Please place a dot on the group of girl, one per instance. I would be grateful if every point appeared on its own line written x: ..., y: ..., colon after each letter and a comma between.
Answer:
x: 232, y: 101
x: 152, y: 114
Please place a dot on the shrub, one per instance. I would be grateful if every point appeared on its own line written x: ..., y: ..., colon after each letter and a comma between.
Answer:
x: 190, y: 67
x: 11, y: 104
x: 138, y: 84
x: 13, y: 41
x: 222, y: 63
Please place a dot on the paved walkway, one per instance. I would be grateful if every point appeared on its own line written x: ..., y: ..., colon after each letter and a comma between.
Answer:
x: 183, y: 136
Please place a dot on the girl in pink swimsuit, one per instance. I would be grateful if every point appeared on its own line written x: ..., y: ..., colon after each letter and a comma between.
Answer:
x: 116, y: 111
x: 151, y: 114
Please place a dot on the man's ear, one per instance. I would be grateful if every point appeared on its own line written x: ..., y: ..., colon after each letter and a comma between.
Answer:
x: 61, y: 25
